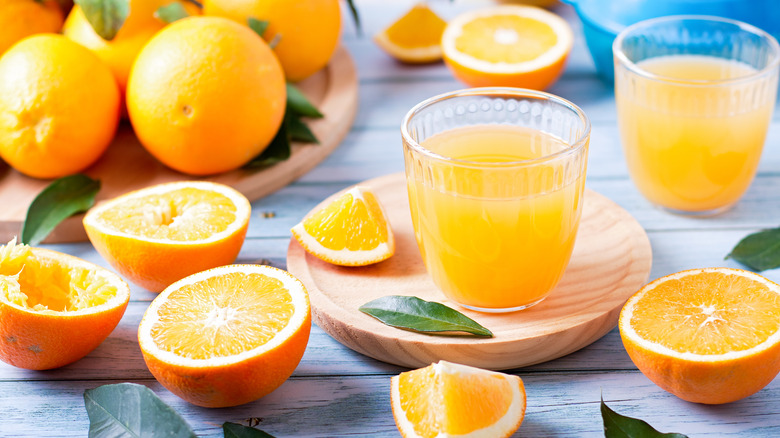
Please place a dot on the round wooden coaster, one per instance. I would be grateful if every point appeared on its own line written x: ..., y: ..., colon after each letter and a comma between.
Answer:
x: 126, y: 165
x: 611, y: 261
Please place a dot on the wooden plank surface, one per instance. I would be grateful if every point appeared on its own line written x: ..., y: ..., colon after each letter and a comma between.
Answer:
x: 332, y: 381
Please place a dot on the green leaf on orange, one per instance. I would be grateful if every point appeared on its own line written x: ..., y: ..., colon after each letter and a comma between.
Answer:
x: 105, y: 16
x: 58, y: 201
x: 171, y: 12
x: 259, y: 26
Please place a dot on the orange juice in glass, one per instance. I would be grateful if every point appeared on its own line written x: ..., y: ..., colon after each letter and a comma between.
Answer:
x: 495, y: 179
x: 694, y: 101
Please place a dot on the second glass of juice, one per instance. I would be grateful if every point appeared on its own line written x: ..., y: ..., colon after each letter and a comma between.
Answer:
x: 694, y: 100
x: 495, y: 179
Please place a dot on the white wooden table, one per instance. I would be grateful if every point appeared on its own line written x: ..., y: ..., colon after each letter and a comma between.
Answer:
x: 337, y: 392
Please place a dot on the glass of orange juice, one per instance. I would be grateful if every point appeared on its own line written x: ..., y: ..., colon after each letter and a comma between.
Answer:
x: 495, y: 179
x: 694, y: 100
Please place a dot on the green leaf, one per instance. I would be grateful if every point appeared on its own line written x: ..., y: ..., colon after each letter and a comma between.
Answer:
x: 355, y: 16
x: 278, y: 150
x: 412, y: 313
x: 259, y: 26
x: 619, y: 426
x: 105, y: 16
x: 759, y: 251
x: 300, y: 104
x: 299, y: 131
x: 61, y: 199
x: 131, y: 410
x: 235, y: 430
x: 171, y: 12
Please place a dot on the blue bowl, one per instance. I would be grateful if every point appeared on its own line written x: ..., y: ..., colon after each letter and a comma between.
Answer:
x: 602, y: 20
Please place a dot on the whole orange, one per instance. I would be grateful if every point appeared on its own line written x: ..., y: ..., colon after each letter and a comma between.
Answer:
x: 21, y: 18
x: 308, y: 30
x: 59, y: 106
x: 119, y: 53
x: 206, y: 95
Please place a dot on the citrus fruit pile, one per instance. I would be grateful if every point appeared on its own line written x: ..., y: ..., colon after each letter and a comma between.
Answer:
x: 62, y: 96
x: 507, y: 45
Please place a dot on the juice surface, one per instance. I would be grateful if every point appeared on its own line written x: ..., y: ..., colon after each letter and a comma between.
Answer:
x: 495, y: 235
x: 692, y: 147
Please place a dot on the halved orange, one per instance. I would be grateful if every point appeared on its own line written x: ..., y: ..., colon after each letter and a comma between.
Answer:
x: 415, y: 37
x: 226, y: 336
x: 160, y: 234
x: 507, y: 45
x: 708, y: 335
x: 352, y: 230
x: 447, y: 400
x: 54, y: 308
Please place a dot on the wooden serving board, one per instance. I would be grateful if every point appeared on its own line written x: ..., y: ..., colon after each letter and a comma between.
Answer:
x: 611, y: 261
x: 126, y: 165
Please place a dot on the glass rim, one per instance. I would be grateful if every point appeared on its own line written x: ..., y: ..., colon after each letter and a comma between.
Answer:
x: 573, y: 148
x: 620, y: 55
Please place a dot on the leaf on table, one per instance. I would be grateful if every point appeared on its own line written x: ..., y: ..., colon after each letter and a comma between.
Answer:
x: 620, y: 426
x: 299, y: 104
x: 759, y: 251
x: 131, y: 410
x: 355, y: 16
x: 235, y: 430
x: 61, y: 199
x: 105, y: 16
x: 171, y: 12
x: 429, y: 317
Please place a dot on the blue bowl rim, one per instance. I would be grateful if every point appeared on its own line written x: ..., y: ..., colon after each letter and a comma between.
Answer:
x: 620, y: 56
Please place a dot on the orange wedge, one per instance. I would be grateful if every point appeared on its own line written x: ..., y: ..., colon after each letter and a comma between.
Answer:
x: 54, y: 308
x: 226, y: 336
x: 352, y: 230
x: 513, y: 46
x: 706, y: 335
x: 160, y: 234
x: 450, y: 400
x: 415, y: 37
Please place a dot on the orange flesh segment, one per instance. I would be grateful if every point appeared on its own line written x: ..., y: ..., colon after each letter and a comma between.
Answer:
x: 506, y: 39
x: 40, y: 284
x: 420, y: 27
x: 687, y: 317
x: 348, y: 223
x: 186, y: 214
x: 206, y: 319
x: 452, y: 404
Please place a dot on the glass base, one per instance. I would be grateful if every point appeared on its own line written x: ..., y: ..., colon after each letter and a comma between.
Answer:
x: 502, y: 309
x: 696, y: 214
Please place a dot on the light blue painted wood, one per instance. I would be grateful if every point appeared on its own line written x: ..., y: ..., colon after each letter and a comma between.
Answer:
x: 332, y: 381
